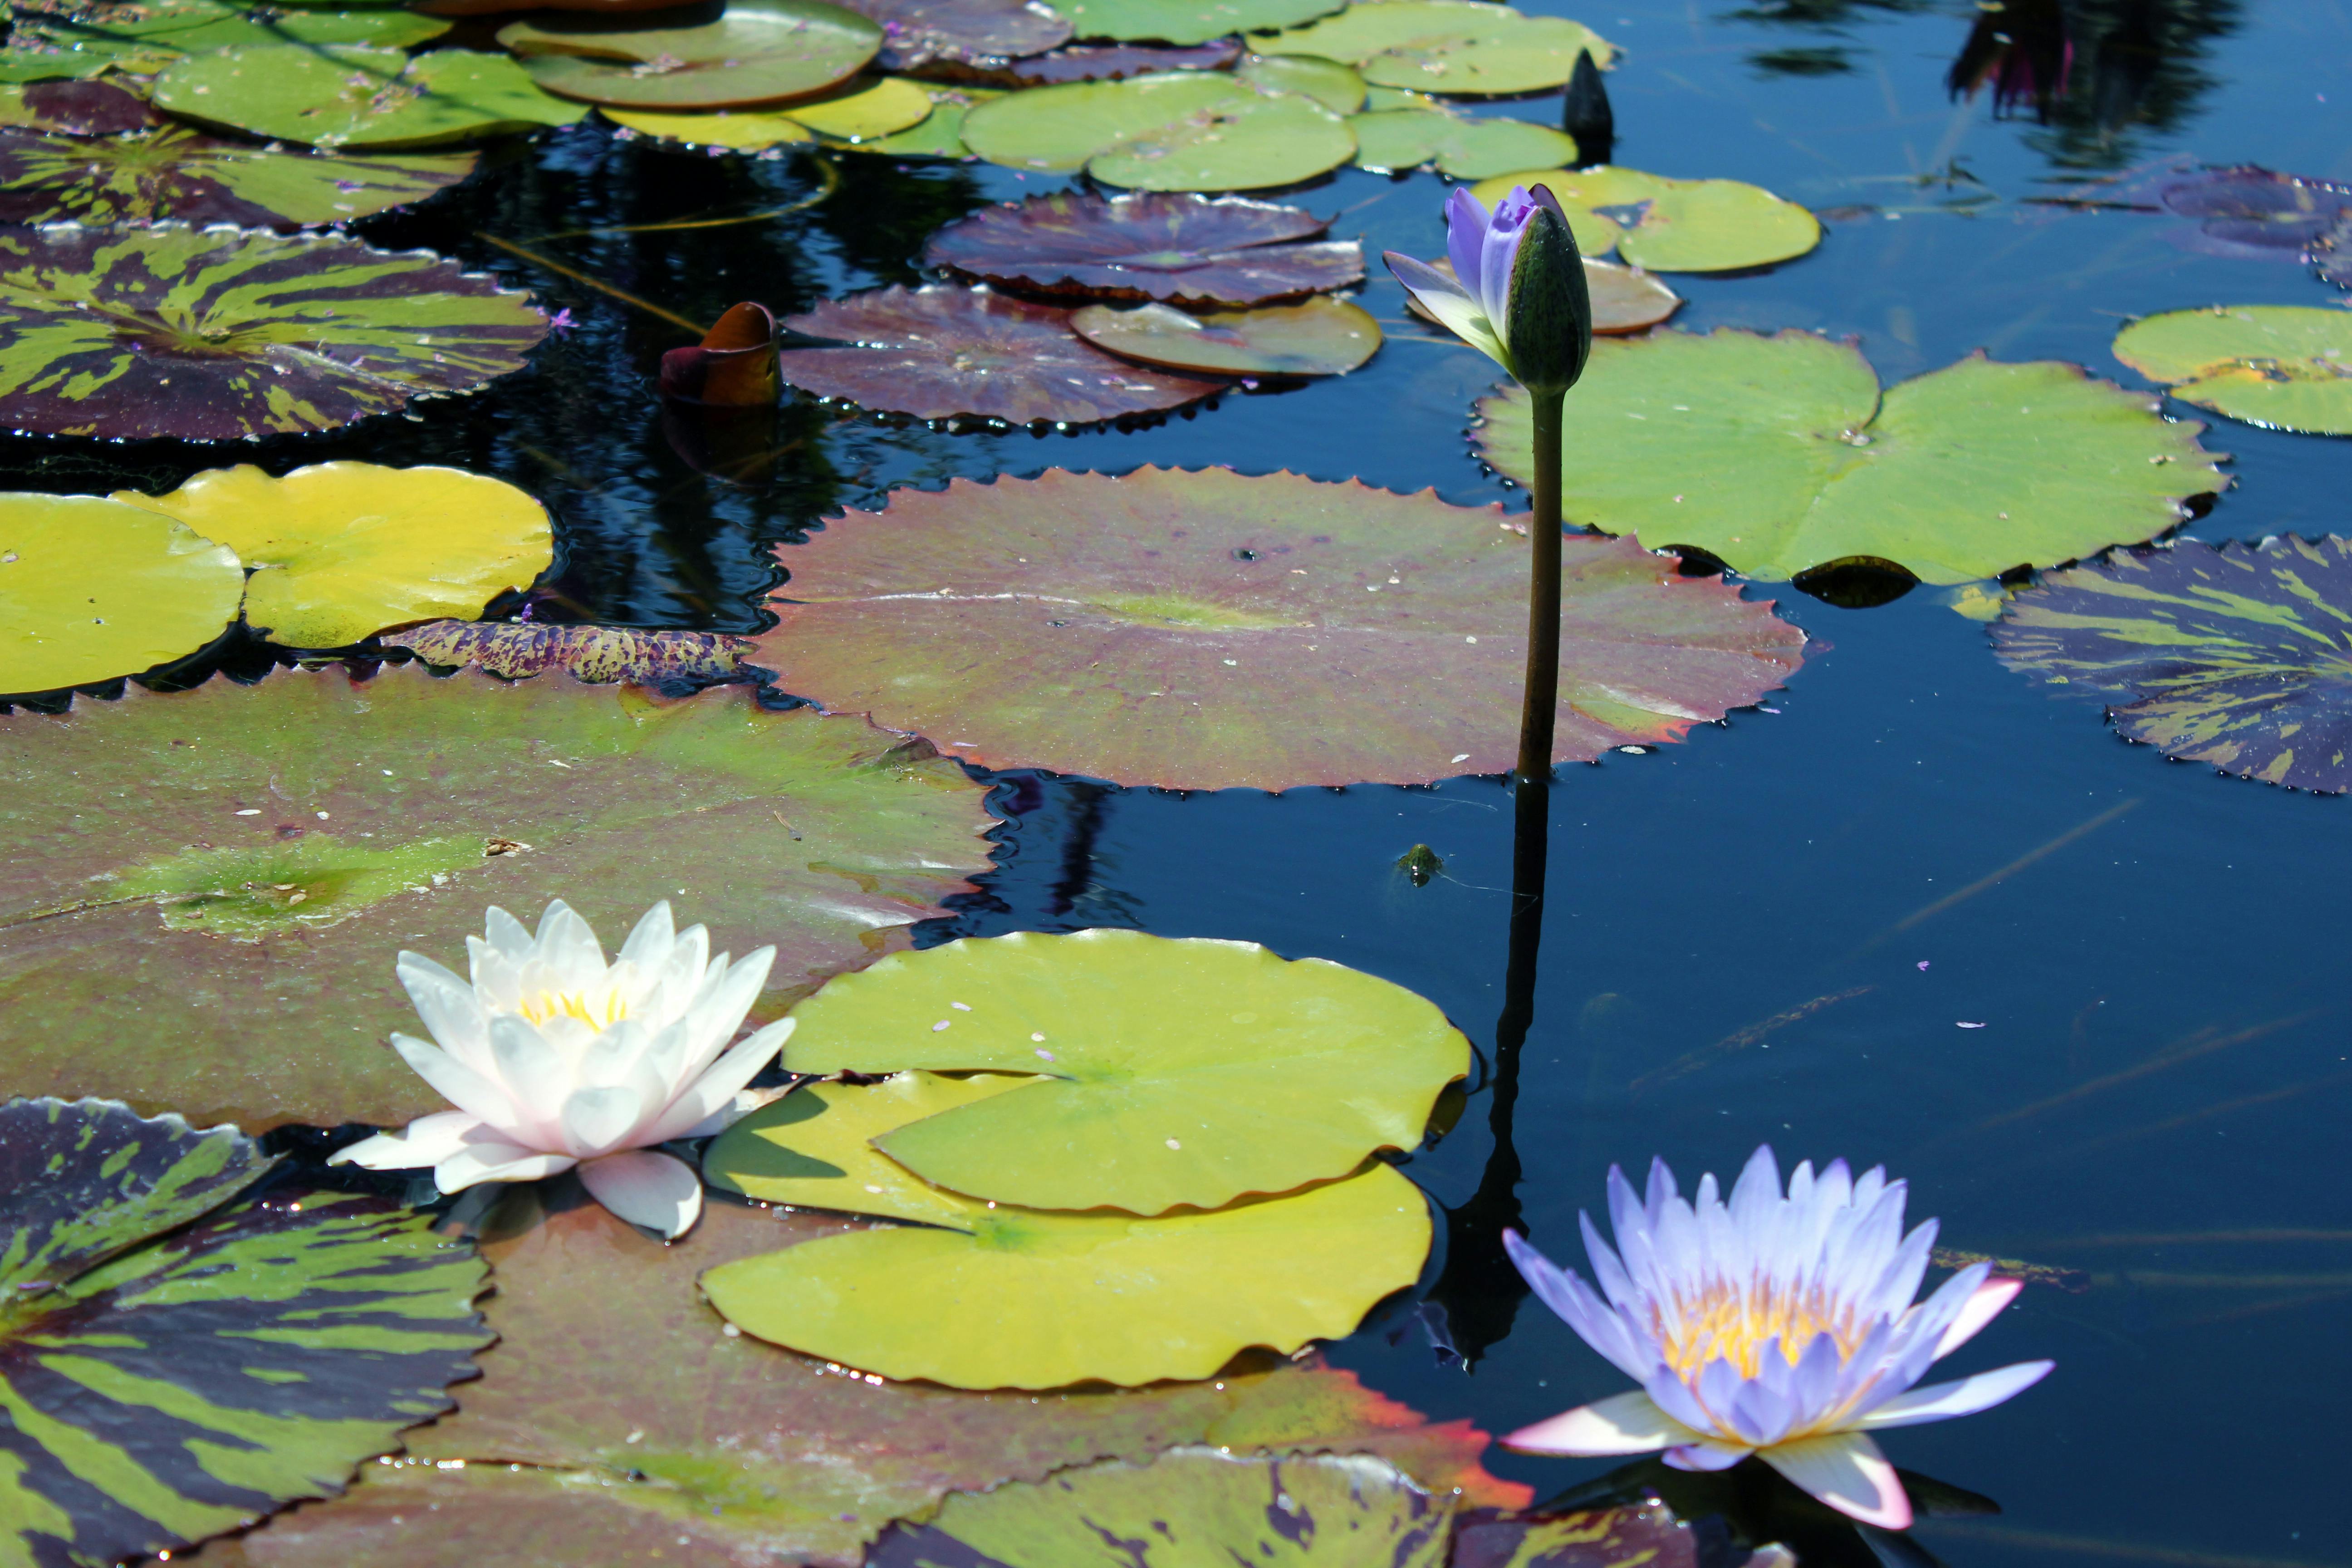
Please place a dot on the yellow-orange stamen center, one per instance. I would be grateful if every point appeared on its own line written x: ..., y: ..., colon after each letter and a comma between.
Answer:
x: 1733, y: 1322
x: 548, y: 1005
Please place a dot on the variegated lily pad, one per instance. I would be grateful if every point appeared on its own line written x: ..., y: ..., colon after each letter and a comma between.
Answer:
x: 76, y: 108
x: 353, y: 97
x: 2287, y: 367
x: 590, y: 653
x: 1208, y: 630
x: 758, y: 51
x: 1185, y: 249
x: 205, y: 334
x: 938, y: 353
x: 2236, y: 654
x: 174, y: 172
x: 172, y: 1367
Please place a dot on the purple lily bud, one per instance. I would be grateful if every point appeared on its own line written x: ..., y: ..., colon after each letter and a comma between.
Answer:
x: 1483, y: 249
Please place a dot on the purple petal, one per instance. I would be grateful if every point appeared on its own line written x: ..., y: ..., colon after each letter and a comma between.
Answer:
x: 1466, y: 237
x: 1966, y: 1396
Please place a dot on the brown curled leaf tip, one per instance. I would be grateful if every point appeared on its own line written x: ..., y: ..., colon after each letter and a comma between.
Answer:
x: 734, y: 366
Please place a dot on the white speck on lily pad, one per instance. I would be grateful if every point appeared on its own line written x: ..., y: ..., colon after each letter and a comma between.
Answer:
x: 942, y: 1024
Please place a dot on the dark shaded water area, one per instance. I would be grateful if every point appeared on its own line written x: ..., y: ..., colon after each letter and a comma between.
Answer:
x: 1919, y: 910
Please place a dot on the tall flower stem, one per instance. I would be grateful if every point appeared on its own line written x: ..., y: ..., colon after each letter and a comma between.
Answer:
x: 1541, y: 703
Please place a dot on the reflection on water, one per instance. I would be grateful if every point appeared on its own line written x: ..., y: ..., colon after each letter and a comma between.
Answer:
x: 2139, y: 68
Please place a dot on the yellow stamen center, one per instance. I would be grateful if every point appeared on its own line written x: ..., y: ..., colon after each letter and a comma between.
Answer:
x: 595, y: 1014
x: 1733, y: 1321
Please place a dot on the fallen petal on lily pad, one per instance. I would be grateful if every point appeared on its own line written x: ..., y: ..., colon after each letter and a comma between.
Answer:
x: 208, y: 334
x: 156, y: 1332
x: 937, y: 352
x: 343, y: 550
x: 1320, y: 337
x: 1141, y: 1105
x: 590, y: 653
x: 91, y: 589
x: 1047, y: 1299
x: 2230, y: 653
x: 2284, y: 367
x: 1777, y: 456
x: 206, y: 892
x: 1208, y: 630
x: 1183, y: 248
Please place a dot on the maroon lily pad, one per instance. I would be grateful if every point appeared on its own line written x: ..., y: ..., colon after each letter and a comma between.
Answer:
x: 700, y: 1447
x: 204, y: 335
x: 1183, y: 248
x: 77, y: 108
x: 516, y: 649
x: 1207, y: 630
x: 2255, y: 213
x: 919, y: 34
x: 2231, y: 654
x: 734, y: 366
x: 938, y: 353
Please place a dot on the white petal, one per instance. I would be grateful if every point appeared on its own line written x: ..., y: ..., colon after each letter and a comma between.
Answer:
x: 711, y: 1091
x: 1982, y: 1308
x: 1965, y: 1397
x: 1628, y: 1423
x: 484, y: 1161
x: 1452, y: 304
x: 452, y: 1013
x: 460, y: 1085
x: 568, y: 947
x: 649, y: 944
x: 533, y: 1076
x: 648, y: 1189
x: 598, y: 1121
x: 1847, y: 1472
x: 505, y: 934
x: 427, y: 1140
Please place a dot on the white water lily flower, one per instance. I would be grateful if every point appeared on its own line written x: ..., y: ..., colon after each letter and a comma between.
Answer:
x: 1782, y: 1327
x: 555, y: 1059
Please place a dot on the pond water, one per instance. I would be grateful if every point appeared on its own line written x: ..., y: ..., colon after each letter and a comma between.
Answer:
x: 1918, y: 909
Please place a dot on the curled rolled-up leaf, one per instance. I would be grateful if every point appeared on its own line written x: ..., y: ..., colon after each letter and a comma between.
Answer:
x: 734, y: 366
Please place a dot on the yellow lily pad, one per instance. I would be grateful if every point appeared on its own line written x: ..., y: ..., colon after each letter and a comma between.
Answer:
x: 2286, y: 367
x: 91, y: 589
x: 339, y: 550
x: 863, y: 112
x: 977, y: 1295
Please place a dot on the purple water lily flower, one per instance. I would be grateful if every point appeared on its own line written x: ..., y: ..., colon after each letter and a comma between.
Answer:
x: 1778, y: 1326
x: 1483, y: 247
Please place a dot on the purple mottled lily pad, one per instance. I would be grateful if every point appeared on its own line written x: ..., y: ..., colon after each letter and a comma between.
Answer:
x: 2235, y: 654
x: 516, y: 649
x: 77, y: 108
x: 1649, y: 1534
x: 205, y: 334
x: 175, y: 173
x: 938, y: 353
x: 922, y: 35
x: 2255, y: 213
x: 1184, y: 249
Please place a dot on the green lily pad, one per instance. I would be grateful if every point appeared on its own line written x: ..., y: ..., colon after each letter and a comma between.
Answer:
x: 758, y: 51
x: 145, y: 37
x: 1776, y: 455
x: 1318, y: 337
x: 51, y: 65
x: 1187, y: 21
x: 2232, y: 654
x: 1175, y: 1073
x: 1191, y: 1508
x: 355, y: 97
x: 205, y: 334
x: 938, y: 353
x: 206, y: 892
x: 1031, y: 1298
x: 1177, y: 130
x: 982, y: 35
x: 1338, y: 88
x: 173, y: 1369
x: 343, y: 550
x: 755, y: 1454
x: 173, y: 173
x: 2283, y: 367
x: 862, y: 111
x: 1464, y: 147
x: 516, y: 651
x: 1684, y: 225
x: 91, y: 589
x: 1463, y: 47
x: 940, y: 134
x: 1211, y: 631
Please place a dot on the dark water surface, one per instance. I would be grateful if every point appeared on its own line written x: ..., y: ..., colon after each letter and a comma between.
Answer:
x: 2153, y: 1107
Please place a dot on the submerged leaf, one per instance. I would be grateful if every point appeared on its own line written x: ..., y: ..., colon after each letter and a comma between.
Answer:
x: 2236, y: 655
x: 1207, y: 630
x: 756, y: 51
x: 206, y: 892
x: 1176, y: 131
x: 205, y: 334
x: 753, y: 1454
x: 590, y: 653
x: 1173, y: 1073
x: 1191, y: 1508
x: 1185, y: 249
x: 1320, y: 337
x: 937, y: 352
x: 2284, y: 367
x: 1045, y: 1300
x: 91, y: 589
x: 1775, y: 455
x: 343, y: 550
x: 2253, y: 211
x: 173, y: 1369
